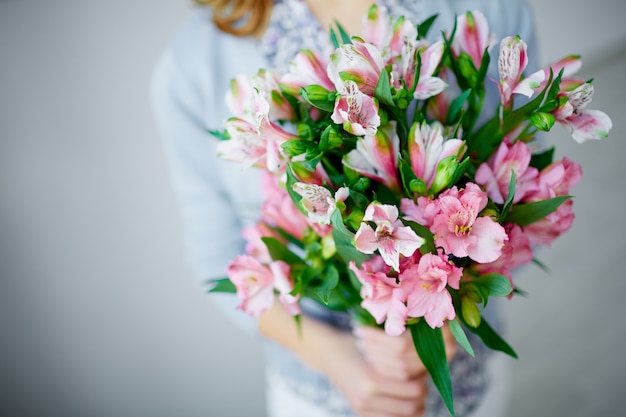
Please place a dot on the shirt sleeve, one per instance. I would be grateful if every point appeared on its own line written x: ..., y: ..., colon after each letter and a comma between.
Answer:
x: 180, y: 90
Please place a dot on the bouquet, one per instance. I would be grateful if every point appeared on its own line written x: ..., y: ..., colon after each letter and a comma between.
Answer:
x: 390, y: 193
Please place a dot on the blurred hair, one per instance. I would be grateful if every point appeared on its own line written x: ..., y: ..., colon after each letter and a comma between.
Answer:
x: 240, y: 17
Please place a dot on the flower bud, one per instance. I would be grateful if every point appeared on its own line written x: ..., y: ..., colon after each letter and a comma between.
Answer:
x: 470, y: 312
x: 328, y: 247
x: 542, y: 121
x: 445, y: 173
x: 317, y: 96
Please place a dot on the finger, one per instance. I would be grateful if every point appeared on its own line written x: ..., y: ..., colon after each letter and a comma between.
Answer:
x: 409, y: 390
x: 393, y: 368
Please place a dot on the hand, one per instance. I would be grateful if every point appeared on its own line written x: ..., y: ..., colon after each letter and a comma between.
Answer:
x: 395, y: 356
x: 371, y: 393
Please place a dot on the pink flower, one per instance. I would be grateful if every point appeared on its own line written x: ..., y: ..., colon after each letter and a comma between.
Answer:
x: 511, y: 64
x: 472, y: 36
x: 254, y: 245
x: 376, y: 156
x: 307, y: 68
x: 318, y: 202
x: 268, y: 82
x: 582, y: 124
x: 381, y: 295
x: 495, y: 175
x: 388, y: 36
x: 569, y: 64
x: 239, y: 97
x: 556, y: 180
x: 429, y: 296
x: 284, y: 285
x: 357, y: 112
x: 254, y: 283
x: 427, y: 148
x: 278, y: 208
x: 390, y: 238
x: 424, y: 212
x: 516, y: 252
x: 428, y: 85
x: 459, y: 230
x: 255, y: 141
x: 360, y: 62
x: 546, y: 230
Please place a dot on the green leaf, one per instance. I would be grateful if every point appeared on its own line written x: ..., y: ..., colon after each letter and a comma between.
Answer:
x: 509, y: 198
x: 497, y: 285
x: 541, y: 266
x: 329, y: 279
x: 279, y: 251
x: 333, y: 38
x: 295, y: 197
x: 460, y: 170
x: 525, y: 214
x: 422, y: 231
x: 456, y: 106
x: 345, y: 38
x: 383, y: 89
x: 431, y: 350
x: 407, y: 175
x: 223, y: 285
x: 424, y: 27
x: 220, y: 134
x: 542, y: 160
x: 317, y: 96
x: 344, y: 241
x: 491, y: 339
x: 297, y: 146
x: 460, y: 336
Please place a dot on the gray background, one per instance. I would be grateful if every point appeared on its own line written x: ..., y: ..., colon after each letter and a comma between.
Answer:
x: 100, y: 317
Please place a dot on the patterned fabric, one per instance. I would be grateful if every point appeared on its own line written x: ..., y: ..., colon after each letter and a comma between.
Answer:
x: 291, y: 28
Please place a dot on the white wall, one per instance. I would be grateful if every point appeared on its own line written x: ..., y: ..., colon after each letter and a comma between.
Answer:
x: 98, y: 315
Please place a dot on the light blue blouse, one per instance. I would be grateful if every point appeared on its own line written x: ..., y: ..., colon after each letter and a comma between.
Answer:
x: 218, y: 198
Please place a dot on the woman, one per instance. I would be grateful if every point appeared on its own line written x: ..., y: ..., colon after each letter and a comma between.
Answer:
x: 330, y: 370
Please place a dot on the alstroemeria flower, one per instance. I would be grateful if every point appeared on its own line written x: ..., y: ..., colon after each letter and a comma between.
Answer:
x: 495, y: 175
x: 376, y: 156
x: 381, y: 295
x: 516, y: 252
x: 391, y: 238
x: 461, y: 232
x: 472, y: 36
x: 546, y: 230
x: 254, y: 282
x: 284, y: 285
x: 239, y: 97
x: 254, y: 245
x: 307, y: 68
x: 278, y: 208
x: 582, y: 124
x: 511, y: 64
x: 570, y: 66
x: 427, y: 148
x: 318, y: 201
x: 357, y: 112
x: 556, y: 180
x: 429, y: 296
x: 256, y: 141
x: 360, y: 62
x: 428, y: 85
